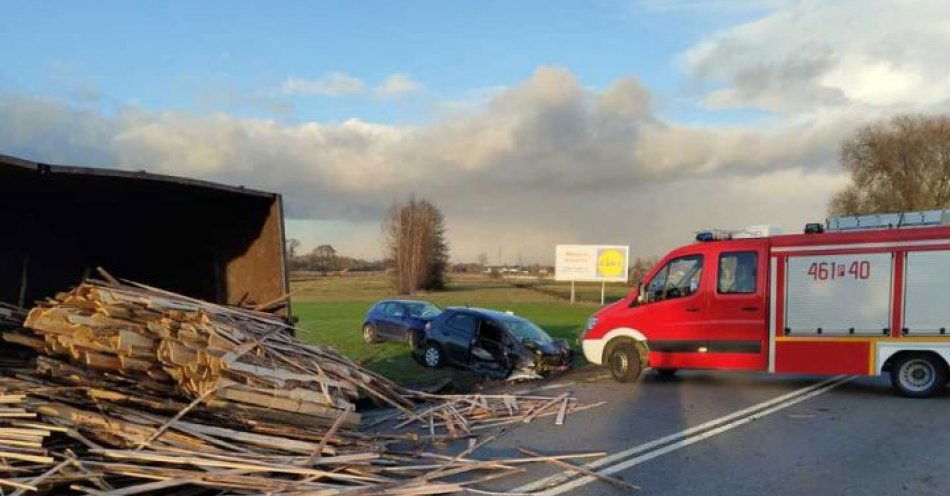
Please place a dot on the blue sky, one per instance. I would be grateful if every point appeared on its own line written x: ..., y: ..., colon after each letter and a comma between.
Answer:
x: 529, y: 123
x: 234, y: 56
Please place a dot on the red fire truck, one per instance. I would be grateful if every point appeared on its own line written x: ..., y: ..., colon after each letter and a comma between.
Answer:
x: 862, y: 295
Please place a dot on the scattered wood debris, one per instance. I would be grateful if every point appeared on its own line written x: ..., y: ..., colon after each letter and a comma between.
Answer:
x: 136, y: 389
x: 461, y: 416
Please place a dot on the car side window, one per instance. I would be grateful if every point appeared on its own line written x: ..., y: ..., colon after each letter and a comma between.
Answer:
x: 463, y: 324
x: 737, y: 272
x: 679, y: 277
x: 397, y: 310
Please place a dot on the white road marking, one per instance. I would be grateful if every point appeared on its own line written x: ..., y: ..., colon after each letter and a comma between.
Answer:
x: 744, y: 415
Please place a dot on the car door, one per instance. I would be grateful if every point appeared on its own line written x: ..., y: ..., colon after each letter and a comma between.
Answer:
x: 389, y: 320
x: 736, y: 314
x: 673, y: 312
x: 457, y: 336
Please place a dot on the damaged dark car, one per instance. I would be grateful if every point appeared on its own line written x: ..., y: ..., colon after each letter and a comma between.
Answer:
x: 496, y: 344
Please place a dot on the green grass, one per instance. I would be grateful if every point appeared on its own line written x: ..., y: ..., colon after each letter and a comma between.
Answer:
x: 331, y: 313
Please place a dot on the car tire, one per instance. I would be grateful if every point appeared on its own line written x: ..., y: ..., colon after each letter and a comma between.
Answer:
x: 432, y: 356
x: 666, y: 374
x: 369, y: 333
x: 918, y: 375
x: 624, y: 363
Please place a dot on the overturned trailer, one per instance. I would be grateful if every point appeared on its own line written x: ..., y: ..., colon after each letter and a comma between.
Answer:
x: 58, y: 223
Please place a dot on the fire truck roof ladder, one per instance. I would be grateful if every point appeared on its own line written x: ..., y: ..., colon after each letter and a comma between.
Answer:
x: 889, y: 221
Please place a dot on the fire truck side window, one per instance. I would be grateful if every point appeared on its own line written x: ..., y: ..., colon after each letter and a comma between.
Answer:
x: 678, y: 278
x: 737, y: 272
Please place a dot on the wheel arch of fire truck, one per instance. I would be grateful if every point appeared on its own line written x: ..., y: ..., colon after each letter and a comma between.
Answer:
x: 858, y: 295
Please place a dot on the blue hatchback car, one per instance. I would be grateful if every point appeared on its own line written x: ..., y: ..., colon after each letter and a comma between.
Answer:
x: 398, y: 320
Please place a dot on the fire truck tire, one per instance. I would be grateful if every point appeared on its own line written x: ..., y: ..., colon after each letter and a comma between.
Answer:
x: 918, y: 375
x: 624, y: 363
x: 666, y: 374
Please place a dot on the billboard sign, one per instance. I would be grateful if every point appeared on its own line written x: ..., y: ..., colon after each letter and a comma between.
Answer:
x: 595, y: 263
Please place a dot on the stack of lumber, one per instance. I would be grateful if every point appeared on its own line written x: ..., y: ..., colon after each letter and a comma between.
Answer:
x: 21, y: 442
x: 95, y: 433
x: 138, y: 390
x: 225, y: 356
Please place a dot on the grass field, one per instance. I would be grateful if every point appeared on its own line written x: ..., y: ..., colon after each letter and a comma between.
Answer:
x: 331, y: 312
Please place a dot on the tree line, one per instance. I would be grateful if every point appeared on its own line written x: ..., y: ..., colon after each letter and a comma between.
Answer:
x: 325, y: 260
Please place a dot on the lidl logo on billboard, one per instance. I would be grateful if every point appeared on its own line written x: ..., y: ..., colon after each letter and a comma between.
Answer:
x: 611, y: 263
x: 591, y: 263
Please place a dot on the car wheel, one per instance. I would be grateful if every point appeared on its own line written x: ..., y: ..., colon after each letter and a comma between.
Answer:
x: 666, y: 374
x: 369, y: 333
x: 918, y: 375
x: 624, y: 363
x: 432, y: 356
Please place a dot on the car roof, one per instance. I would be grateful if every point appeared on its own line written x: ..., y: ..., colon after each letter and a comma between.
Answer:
x: 486, y: 312
x: 403, y: 301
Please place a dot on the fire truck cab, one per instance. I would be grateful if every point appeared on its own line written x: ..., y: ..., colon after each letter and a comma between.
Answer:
x: 862, y: 295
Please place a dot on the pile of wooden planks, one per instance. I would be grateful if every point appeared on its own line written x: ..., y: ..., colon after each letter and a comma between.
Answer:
x: 227, y: 357
x: 21, y: 442
x: 95, y: 433
x: 138, y: 390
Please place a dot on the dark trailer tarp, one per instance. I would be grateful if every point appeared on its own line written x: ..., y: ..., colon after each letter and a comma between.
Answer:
x: 205, y: 240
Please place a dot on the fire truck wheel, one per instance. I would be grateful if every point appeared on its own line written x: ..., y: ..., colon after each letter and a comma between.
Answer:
x: 666, y: 374
x: 918, y: 375
x: 624, y: 363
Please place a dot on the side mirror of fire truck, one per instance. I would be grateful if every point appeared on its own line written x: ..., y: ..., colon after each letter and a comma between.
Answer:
x: 641, y: 296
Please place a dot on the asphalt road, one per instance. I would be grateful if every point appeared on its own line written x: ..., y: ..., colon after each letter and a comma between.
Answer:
x: 738, y: 434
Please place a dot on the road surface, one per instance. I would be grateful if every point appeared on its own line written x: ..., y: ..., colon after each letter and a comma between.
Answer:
x: 739, y: 434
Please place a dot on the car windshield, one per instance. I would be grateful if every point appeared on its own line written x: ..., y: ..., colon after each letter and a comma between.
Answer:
x: 423, y: 309
x: 525, y: 329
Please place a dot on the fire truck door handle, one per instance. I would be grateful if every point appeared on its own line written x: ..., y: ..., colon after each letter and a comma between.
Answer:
x: 750, y: 309
x: 692, y: 309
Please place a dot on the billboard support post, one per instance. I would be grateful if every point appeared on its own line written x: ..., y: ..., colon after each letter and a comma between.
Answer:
x: 572, y: 290
x: 603, y: 290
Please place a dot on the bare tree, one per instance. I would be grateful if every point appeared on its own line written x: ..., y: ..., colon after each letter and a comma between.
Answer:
x: 640, y: 267
x: 324, y: 258
x: 901, y: 164
x: 414, y: 235
x: 291, y: 249
x: 483, y: 260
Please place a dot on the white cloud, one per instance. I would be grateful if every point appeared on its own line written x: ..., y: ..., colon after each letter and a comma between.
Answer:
x: 397, y: 85
x: 544, y: 161
x: 330, y: 84
x: 813, y: 54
